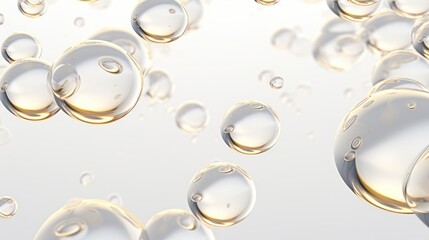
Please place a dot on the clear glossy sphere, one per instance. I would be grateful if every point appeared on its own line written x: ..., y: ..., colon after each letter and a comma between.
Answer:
x: 20, y: 46
x: 32, y: 8
x: 222, y: 194
x: 90, y: 220
x: 96, y: 82
x: 192, y: 117
x: 160, y: 85
x: 250, y: 127
x: 176, y: 224
x: 409, y: 9
x: 159, y: 21
x: 350, y: 11
x: 25, y: 92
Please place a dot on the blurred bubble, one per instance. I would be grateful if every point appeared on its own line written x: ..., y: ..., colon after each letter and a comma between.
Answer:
x: 160, y: 85
x: 250, y: 127
x: 20, y: 46
x: 192, y: 117
x: 5, y: 135
x: 350, y: 11
x: 32, y: 8
x: 116, y: 199
x: 159, y: 21
x: 277, y: 83
x: 86, y: 178
x: 387, y: 32
x: 397, y: 83
x: 195, y: 10
x: 100, y: 4
x: 1, y: 19
x: 284, y: 38
x: 348, y: 93
x: 24, y: 90
x: 8, y: 207
x: 401, y: 64
x: 96, y: 82
x: 265, y: 76
x: 267, y: 2
x: 129, y: 42
x: 176, y: 224
x: 90, y: 219
x: 222, y: 194
x: 409, y: 9
x: 79, y: 22
x: 420, y: 35
x: 369, y: 146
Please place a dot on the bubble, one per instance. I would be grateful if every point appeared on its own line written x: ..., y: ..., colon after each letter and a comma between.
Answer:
x: 420, y: 35
x: 348, y: 93
x: 90, y: 219
x: 128, y: 41
x: 398, y: 83
x: 32, y: 8
x: 116, y: 199
x: 227, y: 197
x: 87, y: 178
x: 250, y: 127
x: 266, y: 76
x: 267, y: 2
x: 25, y: 92
x: 192, y: 117
x: 160, y: 85
x: 195, y: 10
x: 284, y: 38
x: 277, y: 83
x: 1, y: 19
x: 389, y: 123
x: 8, y: 207
x: 87, y: 79
x: 176, y: 224
x: 364, y: 2
x: 387, y: 32
x: 79, y: 22
x: 5, y: 135
x: 350, y: 11
x: 154, y: 21
x: 401, y: 64
x: 19, y: 46
x: 409, y: 9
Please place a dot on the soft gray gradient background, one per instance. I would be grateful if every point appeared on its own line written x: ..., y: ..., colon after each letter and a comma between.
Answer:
x: 149, y: 162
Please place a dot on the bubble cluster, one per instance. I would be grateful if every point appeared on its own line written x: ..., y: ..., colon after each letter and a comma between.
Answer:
x: 90, y: 219
x: 192, y: 117
x: 176, y: 224
x: 20, y: 46
x: 96, y: 82
x: 222, y: 194
x: 25, y: 92
x: 159, y: 21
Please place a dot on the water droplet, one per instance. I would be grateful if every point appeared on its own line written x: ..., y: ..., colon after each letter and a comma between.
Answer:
x: 284, y: 38
x: 350, y: 156
x: 160, y: 86
x: 94, y: 62
x: 24, y: 90
x: 277, y: 83
x: 350, y: 11
x: 153, y: 20
x: 357, y: 141
x: 192, y: 117
x: 176, y: 224
x: 256, y: 127
x: 235, y: 189
x: 31, y: 8
x: 409, y: 9
x: 79, y: 22
x: 267, y: 2
x: 20, y: 46
x: 116, y: 199
x: 411, y: 105
x: 86, y: 178
x: 90, y: 219
x: 8, y: 207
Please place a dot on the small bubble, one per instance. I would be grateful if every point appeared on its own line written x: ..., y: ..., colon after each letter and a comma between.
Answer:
x: 4, y: 86
x: 8, y: 207
x: 350, y: 156
x: 1, y: 19
x: 349, y: 123
x: 265, y: 76
x: 79, y: 22
x: 172, y: 11
x: 192, y: 117
x: 257, y: 106
x: 229, y: 129
x: 31, y: 8
x: 277, y: 83
x: 20, y: 46
x: 110, y: 65
x: 65, y: 80
x: 348, y: 93
x: 70, y: 228
x: 411, y: 104
x: 115, y: 199
x: 357, y: 141
x: 187, y: 221
x: 198, y: 177
x: 226, y: 169
x: 197, y: 197
x: 87, y: 178
x: 283, y: 39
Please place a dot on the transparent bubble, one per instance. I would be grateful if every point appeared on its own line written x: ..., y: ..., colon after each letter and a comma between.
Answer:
x: 284, y: 38
x: 377, y: 143
x: 176, y: 224
x: 409, y: 9
x: 160, y: 85
x: 159, y: 21
x: 8, y: 207
x: 387, y: 32
x: 250, y: 127
x: 5, y: 135
x: 267, y: 2
x: 24, y: 90
x: 32, y: 8
x: 397, y: 83
x: 192, y: 117
x: 223, y: 196
x: 20, y: 46
x: 1, y: 19
x: 277, y: 83
x: 401, y: 64
x: 350, y: 11
x: 79, y: 22
x: 115, y: 199
x: 195, y: 10
x: 266, y: 76
x: 86, y: 178
x: 348, y: 93
x: 364, y: 2
x: 420, y: 36
x: 129, y: 42
x: 96, y: 82
x: 90, y: 219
